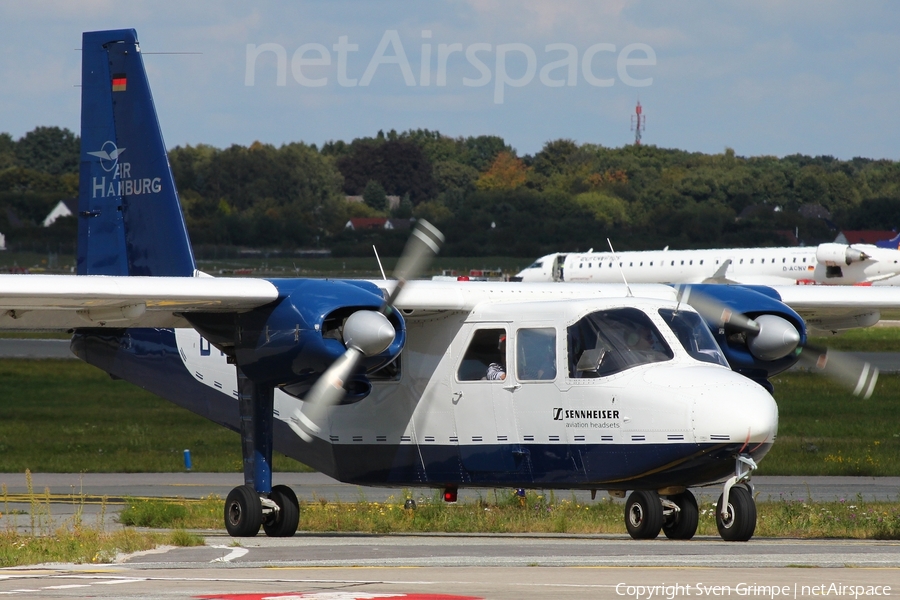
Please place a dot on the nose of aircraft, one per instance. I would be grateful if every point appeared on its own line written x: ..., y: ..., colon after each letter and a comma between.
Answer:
x: 725, y: 406
x: 729, y: 407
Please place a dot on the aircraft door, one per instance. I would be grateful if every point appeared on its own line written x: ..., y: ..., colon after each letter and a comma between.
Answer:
x: 536, y: 401
x: 486, y: 435
x: 558, y: 271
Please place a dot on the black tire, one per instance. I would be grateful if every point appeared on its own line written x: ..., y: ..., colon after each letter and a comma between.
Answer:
x: 740, y: 523
x: 243, y: 512
x: 682, y: 525
x: 284, y: 522
x: 643, y: 515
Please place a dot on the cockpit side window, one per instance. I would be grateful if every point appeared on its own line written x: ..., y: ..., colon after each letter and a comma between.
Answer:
x: 487, y: 348
x: 536, y: 265
x: 609, y: 341
x: 694, y: 335
x: 536, y: 354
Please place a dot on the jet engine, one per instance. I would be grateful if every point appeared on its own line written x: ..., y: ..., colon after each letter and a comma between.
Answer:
x: 837, y: 254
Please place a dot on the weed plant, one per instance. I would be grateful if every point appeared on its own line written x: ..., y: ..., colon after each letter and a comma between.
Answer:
x: 71, y: 541
x: 205, y: 513
x: 503, y: 511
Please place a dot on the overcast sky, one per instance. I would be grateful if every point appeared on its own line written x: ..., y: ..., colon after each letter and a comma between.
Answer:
x: 762, y: 77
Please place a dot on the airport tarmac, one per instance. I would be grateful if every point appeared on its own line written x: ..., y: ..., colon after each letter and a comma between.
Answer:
x: 347, y: 567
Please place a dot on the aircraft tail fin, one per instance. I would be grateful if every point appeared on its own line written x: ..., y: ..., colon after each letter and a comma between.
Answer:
x: 129, y: 217
x: 893, y: 243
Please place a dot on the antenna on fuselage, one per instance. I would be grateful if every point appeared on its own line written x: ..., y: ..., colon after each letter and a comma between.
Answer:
x: 621, y: 272
x: 383, y: 276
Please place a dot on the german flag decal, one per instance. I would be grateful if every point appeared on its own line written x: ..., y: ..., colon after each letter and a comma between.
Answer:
x: 118, y: 82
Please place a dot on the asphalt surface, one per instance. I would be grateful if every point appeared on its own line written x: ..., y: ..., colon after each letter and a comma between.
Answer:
x: 597, y: 580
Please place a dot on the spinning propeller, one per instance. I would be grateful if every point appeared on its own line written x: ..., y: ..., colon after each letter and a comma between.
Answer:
x: 366, y: 333
x: 770, y: 337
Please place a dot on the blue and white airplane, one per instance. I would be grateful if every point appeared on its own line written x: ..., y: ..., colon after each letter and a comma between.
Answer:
x: 596, y: 387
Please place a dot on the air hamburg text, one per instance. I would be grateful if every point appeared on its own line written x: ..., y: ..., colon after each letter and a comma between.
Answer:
x: 121, y: 184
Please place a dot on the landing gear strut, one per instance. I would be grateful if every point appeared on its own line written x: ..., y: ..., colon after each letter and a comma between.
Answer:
x: 681, y: 516
x: 736, y: 509
x: 257, y: 503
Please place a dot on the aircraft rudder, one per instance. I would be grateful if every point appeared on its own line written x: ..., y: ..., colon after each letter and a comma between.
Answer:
x: 130, y: 219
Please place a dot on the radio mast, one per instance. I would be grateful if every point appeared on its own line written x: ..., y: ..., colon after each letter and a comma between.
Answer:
x: 637, y: 123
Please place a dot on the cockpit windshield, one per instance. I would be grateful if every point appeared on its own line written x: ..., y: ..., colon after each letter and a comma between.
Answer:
x: 694, y: 335
x: 609, y: 341
x: 535, y: 265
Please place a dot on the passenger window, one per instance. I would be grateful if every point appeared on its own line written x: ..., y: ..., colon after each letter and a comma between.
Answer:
x: 536, y: 354
x: 487, y: 348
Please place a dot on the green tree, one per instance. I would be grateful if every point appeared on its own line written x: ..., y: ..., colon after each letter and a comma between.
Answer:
x: 7, y: 151
x: 49, y: 150
x: 398, y: 164
x: 374, y: 195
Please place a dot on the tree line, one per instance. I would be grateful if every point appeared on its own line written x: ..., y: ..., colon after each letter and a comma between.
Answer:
x: 487, y: 198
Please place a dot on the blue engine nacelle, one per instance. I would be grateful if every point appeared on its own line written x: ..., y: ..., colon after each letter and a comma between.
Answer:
x: 292, y: 341
x: 772, y: 350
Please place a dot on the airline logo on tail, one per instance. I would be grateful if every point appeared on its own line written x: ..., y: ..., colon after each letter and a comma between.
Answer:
x: 108, y: 155
x: 121, y: 182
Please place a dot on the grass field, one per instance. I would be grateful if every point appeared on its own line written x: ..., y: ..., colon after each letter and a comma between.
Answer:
x: 67, y: 416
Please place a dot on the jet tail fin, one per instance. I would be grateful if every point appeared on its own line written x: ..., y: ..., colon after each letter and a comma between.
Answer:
x: 893, y: 243
x: 129, y: 217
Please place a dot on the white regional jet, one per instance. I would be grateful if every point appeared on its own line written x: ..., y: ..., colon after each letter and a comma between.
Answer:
x: 837, y: 264
x: 650, y: 390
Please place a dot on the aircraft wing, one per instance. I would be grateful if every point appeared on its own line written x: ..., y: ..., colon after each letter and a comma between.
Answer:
x: 831, y: 308
x: 70, y: 301
x: 431, y: 296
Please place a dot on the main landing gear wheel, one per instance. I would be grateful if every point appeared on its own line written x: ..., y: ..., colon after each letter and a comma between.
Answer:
x: 643, y: 515
x: 739, y: 523
x: 284, y: 521
x: 682, y: 524
x: 243, y: 512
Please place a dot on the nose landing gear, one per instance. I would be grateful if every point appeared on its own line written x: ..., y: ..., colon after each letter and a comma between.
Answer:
x: 736, y: 509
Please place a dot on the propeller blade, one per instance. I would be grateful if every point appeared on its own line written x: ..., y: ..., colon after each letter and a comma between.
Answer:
x: 771, y: 337
x: 329, y: 389
x: 366, y: 333
x: 715, y: 311
x: 423, y: 245
x: 855, y: 374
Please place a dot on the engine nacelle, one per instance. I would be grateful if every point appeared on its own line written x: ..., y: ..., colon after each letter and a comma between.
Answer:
x: 838, y: 254
x: 769, y: 352
x: 292, y: 341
